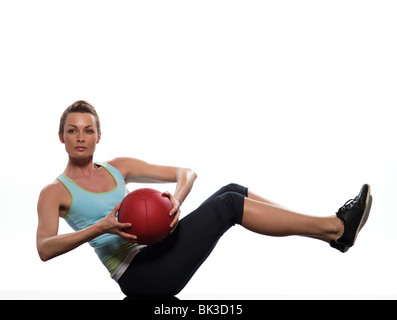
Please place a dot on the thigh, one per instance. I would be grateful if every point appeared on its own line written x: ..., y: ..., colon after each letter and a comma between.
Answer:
x: 164, y: 269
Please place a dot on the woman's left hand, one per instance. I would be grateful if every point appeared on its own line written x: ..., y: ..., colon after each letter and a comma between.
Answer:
x: 175, y: 211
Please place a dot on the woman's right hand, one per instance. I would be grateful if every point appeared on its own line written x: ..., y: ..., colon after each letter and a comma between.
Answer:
x: 110, y: 224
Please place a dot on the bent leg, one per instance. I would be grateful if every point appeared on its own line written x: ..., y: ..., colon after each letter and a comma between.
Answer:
x: 165, y: 268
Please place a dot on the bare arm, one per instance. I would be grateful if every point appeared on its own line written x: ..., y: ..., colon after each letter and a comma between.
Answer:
x: 135, y: 170
x: 50, y: 244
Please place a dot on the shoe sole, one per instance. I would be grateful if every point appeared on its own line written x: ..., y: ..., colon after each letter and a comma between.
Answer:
x: 367, y: 210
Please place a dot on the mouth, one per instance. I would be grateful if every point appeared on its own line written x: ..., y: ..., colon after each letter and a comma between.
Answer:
x: 81, y: 148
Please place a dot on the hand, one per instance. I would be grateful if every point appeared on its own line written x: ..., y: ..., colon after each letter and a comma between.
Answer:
x: 110, y: 224
x: 175, y: 211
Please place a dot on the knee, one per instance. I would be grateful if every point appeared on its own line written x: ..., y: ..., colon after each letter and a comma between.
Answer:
x: 234, y: 187
x: 229, y: 207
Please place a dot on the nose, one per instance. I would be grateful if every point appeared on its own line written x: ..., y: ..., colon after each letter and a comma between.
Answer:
x: 80, y: 138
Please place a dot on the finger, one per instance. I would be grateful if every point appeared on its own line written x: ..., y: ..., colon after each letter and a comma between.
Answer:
x: 116, y: 208
x: 173, y: 228
x: 173, y: 211
x: 128, y: 236
x: 166, y: 194
x: 124, y: 225
x: 172, y: 199
x: 176, y: 219
x: 175, y: 208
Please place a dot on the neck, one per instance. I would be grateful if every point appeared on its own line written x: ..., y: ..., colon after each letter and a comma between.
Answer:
x: 80, y: 167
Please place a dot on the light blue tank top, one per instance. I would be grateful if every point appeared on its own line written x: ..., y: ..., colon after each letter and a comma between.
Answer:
x: 87, y: 208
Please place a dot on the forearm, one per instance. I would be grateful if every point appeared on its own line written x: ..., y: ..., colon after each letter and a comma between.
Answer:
x: 185, y: 179
x: 51, y: 247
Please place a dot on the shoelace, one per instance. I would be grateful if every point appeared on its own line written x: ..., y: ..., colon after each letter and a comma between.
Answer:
x: 347, y: 205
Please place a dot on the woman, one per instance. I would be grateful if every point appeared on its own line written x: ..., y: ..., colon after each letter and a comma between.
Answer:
x: 88, y: 195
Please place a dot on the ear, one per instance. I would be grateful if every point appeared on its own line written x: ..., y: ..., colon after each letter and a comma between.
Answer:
x: 61, y: 138
x: 99, y: 137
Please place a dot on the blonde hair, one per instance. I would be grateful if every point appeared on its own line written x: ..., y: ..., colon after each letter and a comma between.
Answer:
x: 79, y: 106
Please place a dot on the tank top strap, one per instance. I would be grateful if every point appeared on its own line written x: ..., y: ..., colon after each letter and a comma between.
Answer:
x: 113, y: 171
x: 69, y: 184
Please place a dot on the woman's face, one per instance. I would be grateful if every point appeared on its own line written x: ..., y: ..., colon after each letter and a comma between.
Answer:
x: 80, y: 135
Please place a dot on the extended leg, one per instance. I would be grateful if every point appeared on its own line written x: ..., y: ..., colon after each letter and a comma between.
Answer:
x: 340, y: 230
x: 270, y: 219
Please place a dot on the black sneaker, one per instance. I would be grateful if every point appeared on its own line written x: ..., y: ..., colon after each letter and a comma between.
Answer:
x: 354, y: 214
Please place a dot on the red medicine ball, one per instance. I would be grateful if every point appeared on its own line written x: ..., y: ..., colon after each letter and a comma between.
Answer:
x: 148, y: 212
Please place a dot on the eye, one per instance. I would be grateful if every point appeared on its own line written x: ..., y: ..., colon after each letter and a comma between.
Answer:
x: 72, y: 131
x: 89, y: 131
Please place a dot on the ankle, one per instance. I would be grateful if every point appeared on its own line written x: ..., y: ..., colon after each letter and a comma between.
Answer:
x: 336, y: 228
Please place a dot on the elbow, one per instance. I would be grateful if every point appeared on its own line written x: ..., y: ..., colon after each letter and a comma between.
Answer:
x: 192, y: 174
x: 44, y: 257
x: 43, y: 254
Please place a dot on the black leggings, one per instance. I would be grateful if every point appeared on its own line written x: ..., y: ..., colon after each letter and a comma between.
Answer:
x: 165, y: 268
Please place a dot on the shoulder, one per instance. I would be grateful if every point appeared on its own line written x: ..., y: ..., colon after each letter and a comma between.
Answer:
x: 53, y: 187
x: 54, y: 200
x: 52, y: 192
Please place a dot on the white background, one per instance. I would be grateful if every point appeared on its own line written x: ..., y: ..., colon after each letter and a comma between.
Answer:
x: 294, y: 99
